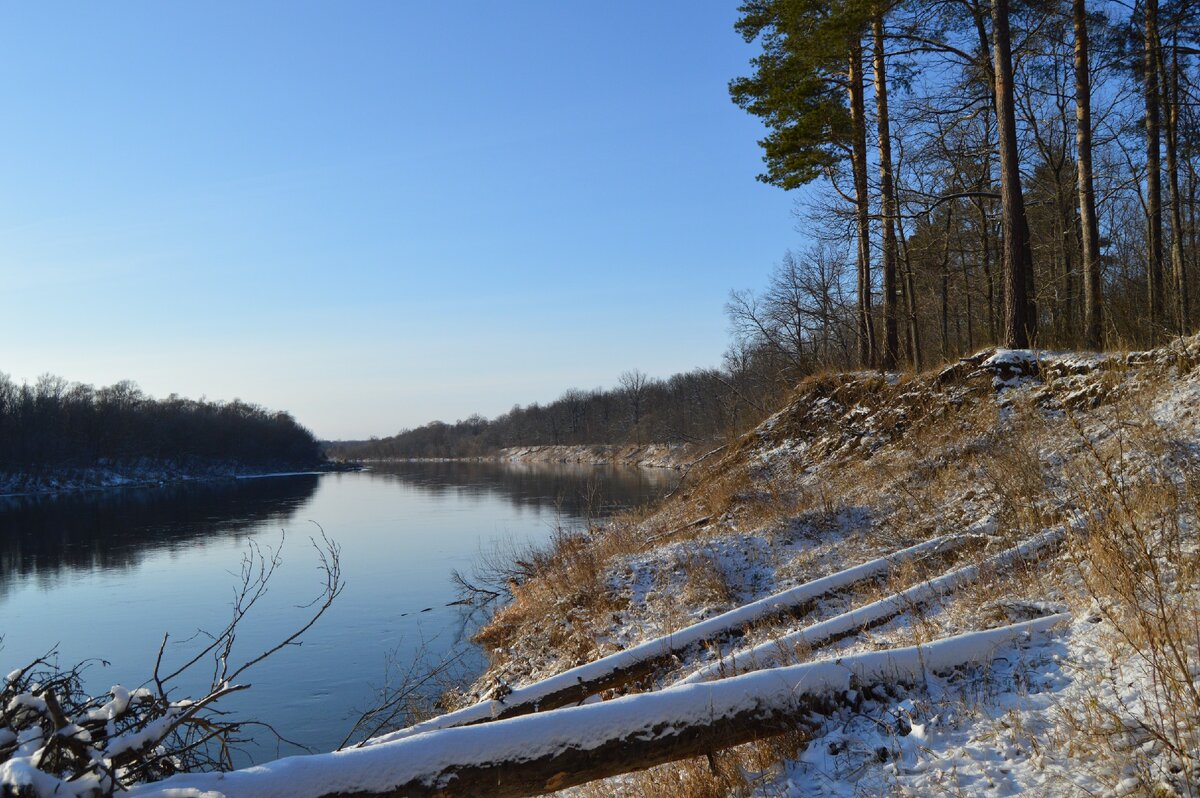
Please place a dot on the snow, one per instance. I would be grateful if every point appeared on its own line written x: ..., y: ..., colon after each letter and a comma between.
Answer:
x: 1004, y: 731
x: 144, y: 473
x: 425, y: 758
x: 733, y: 620
x: 770, y: 653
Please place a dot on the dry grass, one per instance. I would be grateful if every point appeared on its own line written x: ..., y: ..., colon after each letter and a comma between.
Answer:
x: 1137, y: 559
x: 705, y: 583
x: 733, y: 772
x: 558, y: 594
x: 939, y: 455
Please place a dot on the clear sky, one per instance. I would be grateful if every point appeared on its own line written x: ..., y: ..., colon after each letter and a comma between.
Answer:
x: 375, y: 214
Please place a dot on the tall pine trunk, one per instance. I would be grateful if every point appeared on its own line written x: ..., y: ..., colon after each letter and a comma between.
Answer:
x: 1093, y: 320
x: 1170, y: 89
x: 1020, y: 318
x: 1154, y: 221
x: 862, y: 202
x: 891, y: 336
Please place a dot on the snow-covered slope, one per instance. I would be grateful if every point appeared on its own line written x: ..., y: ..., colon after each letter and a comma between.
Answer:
x: 1004, y: 446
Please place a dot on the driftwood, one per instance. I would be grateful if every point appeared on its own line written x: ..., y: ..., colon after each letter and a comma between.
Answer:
x: 541, y: 753
x: 647, y: 659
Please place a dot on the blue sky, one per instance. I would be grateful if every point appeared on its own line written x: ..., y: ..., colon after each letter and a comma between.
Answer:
x: 374, y: 214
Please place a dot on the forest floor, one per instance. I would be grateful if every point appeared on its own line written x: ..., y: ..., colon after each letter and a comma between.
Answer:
x: 1097, y: 453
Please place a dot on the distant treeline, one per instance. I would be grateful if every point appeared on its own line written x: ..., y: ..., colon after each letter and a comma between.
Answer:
x: 697, y: 406
x: 58, y: 424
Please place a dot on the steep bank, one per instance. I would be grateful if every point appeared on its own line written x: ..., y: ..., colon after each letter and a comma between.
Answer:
x: 651, y: 455
x: 1096, y: 458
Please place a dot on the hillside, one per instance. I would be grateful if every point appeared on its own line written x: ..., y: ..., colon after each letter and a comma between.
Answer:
x: 1000, y: 448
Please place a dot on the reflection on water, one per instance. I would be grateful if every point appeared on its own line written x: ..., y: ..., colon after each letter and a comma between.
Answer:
x: 44, y: 536
x: 575, y: 491
x: 106, y: 574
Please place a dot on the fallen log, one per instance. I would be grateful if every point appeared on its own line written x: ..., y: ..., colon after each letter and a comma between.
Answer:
x: 634, y: 664
x: 773, y: 652
x: 549, y: 751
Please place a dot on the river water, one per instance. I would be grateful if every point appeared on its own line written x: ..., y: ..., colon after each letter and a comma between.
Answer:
x: 104, y: 575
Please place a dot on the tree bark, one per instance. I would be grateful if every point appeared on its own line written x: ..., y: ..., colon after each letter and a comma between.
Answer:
x: 891, y: 338
x: 1154, y: 222
x: 858, y: 116
x: 1065, y: 220
x: 910, y: 302
x: 1020, y: 318
x: 945, y: 285
x: 544, y: 753
x: 1093, y: 320
x: 985, y: 247
x: 1170, y: 90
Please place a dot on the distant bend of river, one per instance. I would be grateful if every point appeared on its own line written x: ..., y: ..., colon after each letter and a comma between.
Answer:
x: 104, y: 575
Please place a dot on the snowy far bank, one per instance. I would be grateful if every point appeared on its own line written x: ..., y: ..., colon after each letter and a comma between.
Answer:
x: 141, y: 474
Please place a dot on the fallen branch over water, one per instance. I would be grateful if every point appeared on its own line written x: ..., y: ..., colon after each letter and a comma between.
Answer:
x: 549, y: 751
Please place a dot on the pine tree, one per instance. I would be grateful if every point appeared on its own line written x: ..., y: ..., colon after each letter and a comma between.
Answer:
x: 807, y: 87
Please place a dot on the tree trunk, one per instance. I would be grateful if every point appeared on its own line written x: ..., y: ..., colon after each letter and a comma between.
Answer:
x: 1170, y: 89
x: 985, y: 244
x: 1154, y: 222
x: 910, y: 299
x: 538, y: 754
x: 1093, y: 321
x: 966, y: 274
x: 1020, y: 318
x: 862, y: 202
x: 1066, y: 234
x: 945, y: 308
x: 891, y: 338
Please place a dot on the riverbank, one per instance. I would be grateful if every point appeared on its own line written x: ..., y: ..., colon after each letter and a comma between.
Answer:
x: 674, y: 456
x: 1056, y: 486
x: 650, y: 455
x: 146, y: 473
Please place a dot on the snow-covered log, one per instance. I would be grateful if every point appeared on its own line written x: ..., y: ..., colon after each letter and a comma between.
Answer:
x: 624, y: 667
x: 771, y: 653
x: 547, y: 751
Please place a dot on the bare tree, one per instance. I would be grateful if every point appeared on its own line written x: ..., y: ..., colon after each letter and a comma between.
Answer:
x: 634, y: 384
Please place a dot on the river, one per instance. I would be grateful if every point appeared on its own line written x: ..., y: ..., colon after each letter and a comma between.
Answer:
x: 104, y: 575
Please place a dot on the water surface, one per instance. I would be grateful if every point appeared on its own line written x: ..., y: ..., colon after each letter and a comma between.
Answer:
x: 104, y: 575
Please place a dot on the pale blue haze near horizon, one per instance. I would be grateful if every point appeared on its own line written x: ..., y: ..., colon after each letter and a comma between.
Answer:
x: 375, y: 214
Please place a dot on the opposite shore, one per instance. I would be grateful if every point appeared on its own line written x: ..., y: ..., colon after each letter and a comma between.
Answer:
x: 674, y: 456
x: 145, y: 474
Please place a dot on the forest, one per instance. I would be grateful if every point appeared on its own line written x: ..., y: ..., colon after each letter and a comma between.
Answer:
x: 696, y: 406
x: 1022, y: 174
x: 968, y: 173
x: 55, y: 424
